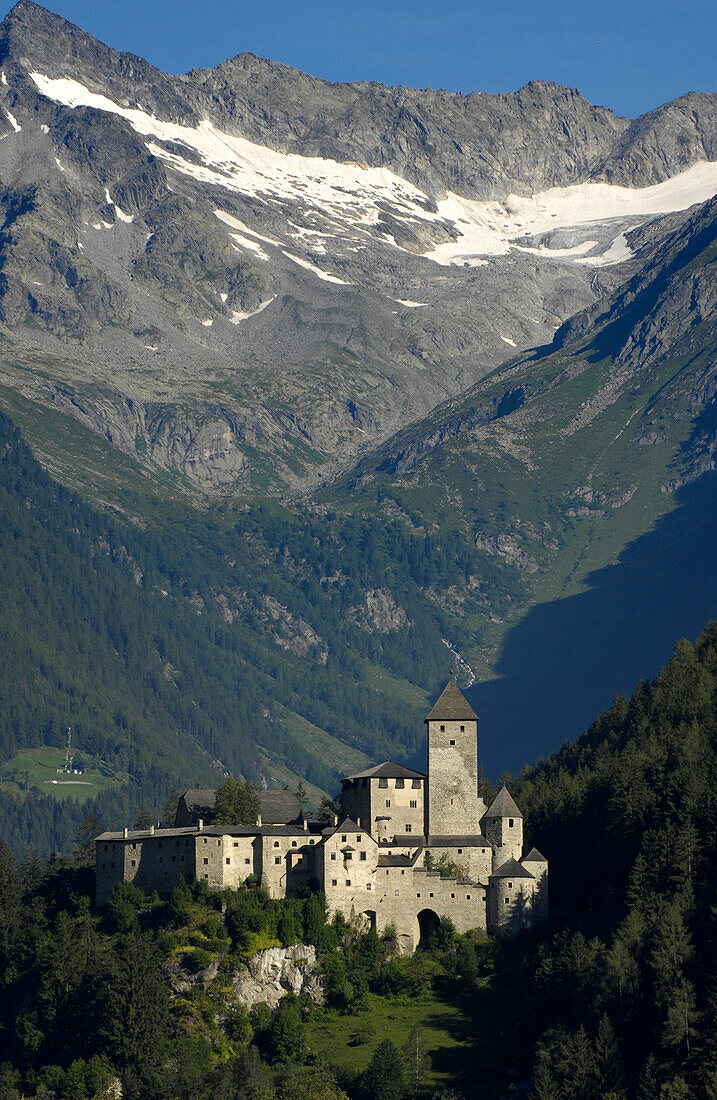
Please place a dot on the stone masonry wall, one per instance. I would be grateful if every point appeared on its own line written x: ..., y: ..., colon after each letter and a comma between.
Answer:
x: 453, y: 771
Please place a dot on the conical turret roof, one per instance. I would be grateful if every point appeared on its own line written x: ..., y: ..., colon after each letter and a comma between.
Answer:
x: 452, y: 706
x: 504, y: 806
x: 534, y: 856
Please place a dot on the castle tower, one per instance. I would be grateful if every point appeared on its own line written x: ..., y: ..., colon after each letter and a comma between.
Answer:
x: 453, y: 805
x: 503, y: 826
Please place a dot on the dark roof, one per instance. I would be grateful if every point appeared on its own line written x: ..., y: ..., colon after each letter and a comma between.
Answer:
x: 459, y: 842
x: 503, y: 805
x: 313, y: 828
x: 276, y: 807
x: 512, y: 869
x: 452, y: 705
x: 534, y: 856
x: 385, y: 860
x: 346, y: 826
x: 279, y: 807
x: 388, y: 770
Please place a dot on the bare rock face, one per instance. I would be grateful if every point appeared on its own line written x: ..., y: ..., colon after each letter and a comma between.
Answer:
x: 273, y: 973
x: 379, y: 613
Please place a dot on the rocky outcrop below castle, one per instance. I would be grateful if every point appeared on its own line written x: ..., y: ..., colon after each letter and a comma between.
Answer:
x: 273, y: 973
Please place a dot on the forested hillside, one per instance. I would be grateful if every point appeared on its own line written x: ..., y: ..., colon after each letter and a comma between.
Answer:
x: 246, y: 640
x: 615, y: 997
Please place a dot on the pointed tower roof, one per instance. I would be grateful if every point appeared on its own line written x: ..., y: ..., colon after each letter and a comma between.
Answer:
x: 534, y: 856
x: 512, y: 869
x: 452, y: 706
x: 503, y: 806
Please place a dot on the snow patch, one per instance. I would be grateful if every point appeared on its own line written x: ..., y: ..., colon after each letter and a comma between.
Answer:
x: 3, y: 78
x: 122, y: 216
x: 508, y: 340
x: 409, y: 304
x: 618, y: 251
x: 207, y: 323
x: 353, y: 196
x: 238, y: 316
x: 61, y: 167
x: 316, y: 270
x: 45, y: 128
x: 251, y: 246
x: 13, y: 122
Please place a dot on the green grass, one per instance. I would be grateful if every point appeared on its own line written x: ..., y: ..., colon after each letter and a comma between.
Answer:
x: 402, y: 690
x: 448, y: 1024
x: 37, y: 769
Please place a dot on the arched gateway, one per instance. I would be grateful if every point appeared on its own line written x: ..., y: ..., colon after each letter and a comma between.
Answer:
x: 427, y: 923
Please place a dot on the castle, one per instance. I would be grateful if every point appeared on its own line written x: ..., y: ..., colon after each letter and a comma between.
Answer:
x: 409, y: 850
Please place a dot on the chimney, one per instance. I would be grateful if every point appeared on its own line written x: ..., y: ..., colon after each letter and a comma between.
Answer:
x: 125, y: 832
x: 200, y: 824
x: 334, y: 820
x: 258, y: 819
x: 151, y: 830
x: 305, y: 823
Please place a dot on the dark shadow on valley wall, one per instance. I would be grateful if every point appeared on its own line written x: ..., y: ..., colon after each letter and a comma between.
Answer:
x: 565, y: 662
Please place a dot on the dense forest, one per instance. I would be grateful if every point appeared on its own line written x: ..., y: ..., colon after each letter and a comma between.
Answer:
x: 189, y: 642
x: 616, y: 996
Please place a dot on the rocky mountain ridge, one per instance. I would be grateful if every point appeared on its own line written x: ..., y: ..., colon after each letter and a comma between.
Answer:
x: 243, y: 278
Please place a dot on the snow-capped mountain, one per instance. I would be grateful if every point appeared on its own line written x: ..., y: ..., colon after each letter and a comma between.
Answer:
x: 249, y: 275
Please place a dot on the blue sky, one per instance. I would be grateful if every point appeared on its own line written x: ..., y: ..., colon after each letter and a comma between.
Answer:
x: 629, y: 55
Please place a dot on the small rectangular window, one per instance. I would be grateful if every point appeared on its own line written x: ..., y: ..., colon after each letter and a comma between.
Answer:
x: 333, y: 855
x: 416, y: 783
x: 452, y: 741
x: 277, y: 859
x: 408, y: 828
x: 134, y: 863
x: 460, y: 851
x: 343, y: 839
x: 368, y: 885
x: 206, y: 861
x: 443, y: 729
x: 334, y: 882
x: 348, y: 855
x: 510, y: 885
x: 468, y: 897
x: 400, y: 784
x: 507, y: 901
x: 247, y: 861
x: 363, y: 855
x: 348, y: 881
x: 510, y: 822
x: 463, y: 729
x: 383, y: 782
x: 388, y: 803
x: 228, y: 859
x: 236, y: 843
x: 414, y: 804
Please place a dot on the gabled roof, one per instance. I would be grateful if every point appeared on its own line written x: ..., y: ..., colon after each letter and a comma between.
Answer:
x: 452, y: 706
x: 512, y: 869
x: 388, y: 770
x: 534, y: 856
x: 386, y: 860
x: 475, y: 840
x: 503, y: 805
x: 346, y: 826
x: 276, y: 807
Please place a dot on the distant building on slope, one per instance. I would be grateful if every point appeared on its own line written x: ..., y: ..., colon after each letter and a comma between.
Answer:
x: 410, y: 849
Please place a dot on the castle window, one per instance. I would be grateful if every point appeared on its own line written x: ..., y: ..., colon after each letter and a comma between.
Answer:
x: 510, y: 885
x: 348, y: 855
x: 363, y: 855
x: 247, y: 861
x: 408, y: 828
x: 228, y: 860
x: 368, y: 885
x: 507, y: 901
x: 400, y: 784
x: 348, y: 881
x: 359, y: 838
x: 388, y: 803
x: 510, y: 822
x: 418, y: 895
x: 236, y: 843
x: 468, y: 897
x: 206, y: 875
x: 396, y: 893
x: 311, y: 841
x: 134, y: 846
x: 293, y: 844
x: 430, y: 895
x: 403, y: 872
x: 277, y: 859
x: 453, y: 895
x: 383, y: 782
x: 206, y: 861
x: 416, y: 783
x: 343, y: 839
x: 276, y: 843
x: 205, y: 840
x: 334, y: 882
x: 333, y: 855
x: 134, y: 862
x: 460, y: 851
x: 219, y: 842
x: 414, y: 803
x: 443, y: 729
x: 452, y: 741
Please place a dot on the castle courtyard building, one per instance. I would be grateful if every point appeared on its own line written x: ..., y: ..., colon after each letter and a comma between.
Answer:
x: 410, y: 849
